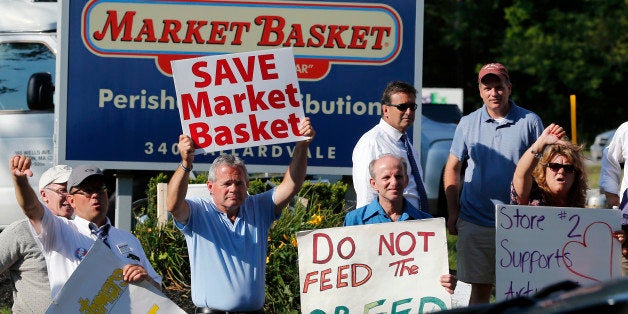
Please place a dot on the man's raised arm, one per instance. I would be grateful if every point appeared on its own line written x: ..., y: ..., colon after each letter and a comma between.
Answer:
x: 293, y: 179
x: 19, y: 166
x: 178, y: 185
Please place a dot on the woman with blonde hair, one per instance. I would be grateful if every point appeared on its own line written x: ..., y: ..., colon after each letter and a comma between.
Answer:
x: 550, y: 173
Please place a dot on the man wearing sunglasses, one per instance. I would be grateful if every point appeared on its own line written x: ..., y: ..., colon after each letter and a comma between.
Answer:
x: 390, y: 136
x: 490, y: 140
x: 20, y: 254
x: 66, y: 242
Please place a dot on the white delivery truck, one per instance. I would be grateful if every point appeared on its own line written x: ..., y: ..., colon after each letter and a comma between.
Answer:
x: 28, y: 45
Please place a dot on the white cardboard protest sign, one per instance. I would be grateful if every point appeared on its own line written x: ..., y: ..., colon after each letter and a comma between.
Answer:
x: 377, y: 268
x: 239, y: 100
x: 97, y: 286
x: 537, y: 246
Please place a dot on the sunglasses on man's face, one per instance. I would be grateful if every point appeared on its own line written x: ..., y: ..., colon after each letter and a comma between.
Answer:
x: 556, y: 166
x: 88, y: 191
x: 404, y: 106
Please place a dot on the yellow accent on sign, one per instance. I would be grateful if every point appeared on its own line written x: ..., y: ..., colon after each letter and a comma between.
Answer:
x: 153, y: 309
x: 574, y: 136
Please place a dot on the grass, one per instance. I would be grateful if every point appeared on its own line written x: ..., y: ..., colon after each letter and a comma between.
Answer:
x: 593, y: 176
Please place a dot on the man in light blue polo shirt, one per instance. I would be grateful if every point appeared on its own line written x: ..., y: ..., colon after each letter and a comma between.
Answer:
x: 227, y: 233
x: 491, y: 140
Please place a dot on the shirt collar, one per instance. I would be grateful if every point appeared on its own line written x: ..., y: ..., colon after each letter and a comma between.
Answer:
x: 508, y: 118
x: 84, y: 224
x: 374, y: 209
x: 388, y: 129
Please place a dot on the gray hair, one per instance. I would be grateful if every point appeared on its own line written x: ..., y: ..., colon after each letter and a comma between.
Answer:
x: 227, y: 160
x: 402, y: 161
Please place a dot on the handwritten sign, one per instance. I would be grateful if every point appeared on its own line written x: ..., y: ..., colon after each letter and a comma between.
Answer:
x: 97, y: 286
x: 378, y: 268
x: 537, y: 246
x: 239, y: 100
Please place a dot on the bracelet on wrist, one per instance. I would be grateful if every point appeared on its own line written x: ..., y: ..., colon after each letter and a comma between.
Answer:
x: 536, y: 155
x: 185, y: 168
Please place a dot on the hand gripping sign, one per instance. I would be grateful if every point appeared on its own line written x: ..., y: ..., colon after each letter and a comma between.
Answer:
x: 239, y: 100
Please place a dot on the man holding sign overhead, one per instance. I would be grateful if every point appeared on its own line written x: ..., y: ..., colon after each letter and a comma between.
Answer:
x: 227, y: 233
x: 239, y: 100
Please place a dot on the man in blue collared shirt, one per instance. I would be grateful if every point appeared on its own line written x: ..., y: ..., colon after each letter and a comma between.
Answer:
x: 389, y: 178
x: 490, y: 140
x: 389, y: 205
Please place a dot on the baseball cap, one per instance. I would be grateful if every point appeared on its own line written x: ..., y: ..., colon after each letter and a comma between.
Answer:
x: 494, y: 68
x: 82, y: 172
x: 56, y: 174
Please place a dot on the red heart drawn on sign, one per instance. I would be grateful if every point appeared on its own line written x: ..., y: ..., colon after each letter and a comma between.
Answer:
x: 582, y: 258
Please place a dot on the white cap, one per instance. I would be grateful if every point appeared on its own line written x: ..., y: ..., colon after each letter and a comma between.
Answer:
x: 56, y: 174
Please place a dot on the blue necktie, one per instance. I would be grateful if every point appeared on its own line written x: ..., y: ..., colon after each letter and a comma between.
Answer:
x: 423, y: 205
x: 102, y: 233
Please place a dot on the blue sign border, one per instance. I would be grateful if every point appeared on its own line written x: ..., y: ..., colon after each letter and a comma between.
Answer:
x: 120, y: 138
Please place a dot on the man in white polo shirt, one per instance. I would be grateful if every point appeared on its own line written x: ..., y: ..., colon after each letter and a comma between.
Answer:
x: 66, y: 242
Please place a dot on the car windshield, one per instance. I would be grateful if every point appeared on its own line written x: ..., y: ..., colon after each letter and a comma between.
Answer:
x: 444, y: 113
x: 18, y: 61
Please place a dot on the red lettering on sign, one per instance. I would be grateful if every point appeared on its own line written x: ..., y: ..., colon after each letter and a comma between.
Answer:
x: 197, y: 70
x: 196, y: 107
x: 199, y: 132
x: 360, y: 274
x: 223, y: 72
x: 112, y: 18
x: 392, y: 243
x: 330, y: 248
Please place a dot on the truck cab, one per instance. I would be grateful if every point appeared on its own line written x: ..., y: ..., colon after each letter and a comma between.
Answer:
x: 438, y: 126
x: 28, y: 47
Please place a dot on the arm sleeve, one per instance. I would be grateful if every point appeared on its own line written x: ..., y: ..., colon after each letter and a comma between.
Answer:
x: 9, y: 248
x: 363, y: 153
x: 612, y: 157
x: 609, y: 173
x: 458, y: 148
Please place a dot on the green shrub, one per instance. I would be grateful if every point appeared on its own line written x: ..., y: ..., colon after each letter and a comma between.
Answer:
x: 317, y: 205
x: 282, y: 264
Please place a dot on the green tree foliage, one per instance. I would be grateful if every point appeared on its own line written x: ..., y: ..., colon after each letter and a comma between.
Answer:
x: 552, y: 49
x: 571, y: 47
x: 459, y: 36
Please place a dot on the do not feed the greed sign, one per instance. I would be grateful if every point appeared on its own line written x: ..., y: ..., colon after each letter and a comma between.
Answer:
x: 376, y: 268
x: 239, y: 100
x: 537, y: 246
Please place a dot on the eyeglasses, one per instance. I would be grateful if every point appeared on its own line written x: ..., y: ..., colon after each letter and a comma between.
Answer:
x: 404, y: 106
x: 556, y: 166
x: 60, y: 192
x: 91, y: 190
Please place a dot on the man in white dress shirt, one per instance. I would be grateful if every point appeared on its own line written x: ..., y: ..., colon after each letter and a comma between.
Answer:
x: 389, y: 137
x: 610, y: 175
